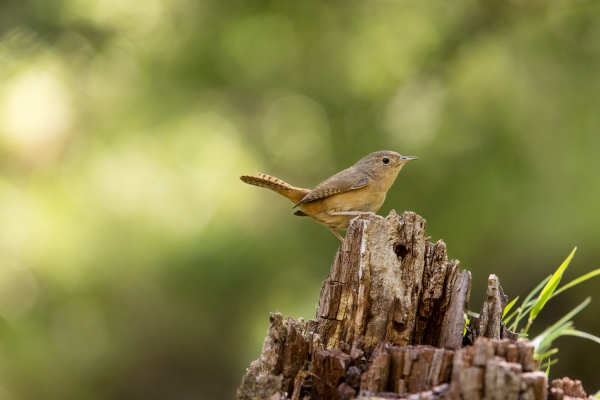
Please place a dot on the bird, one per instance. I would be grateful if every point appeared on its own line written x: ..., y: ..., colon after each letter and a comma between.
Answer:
x: 351, y: 193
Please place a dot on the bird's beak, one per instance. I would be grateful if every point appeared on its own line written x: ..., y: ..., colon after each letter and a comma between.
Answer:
x: 404, y: 159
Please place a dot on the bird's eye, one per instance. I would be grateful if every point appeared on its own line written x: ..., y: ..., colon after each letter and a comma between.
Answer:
x: 385, y: 160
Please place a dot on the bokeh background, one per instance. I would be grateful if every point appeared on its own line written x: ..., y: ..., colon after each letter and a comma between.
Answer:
x: 133, y: 262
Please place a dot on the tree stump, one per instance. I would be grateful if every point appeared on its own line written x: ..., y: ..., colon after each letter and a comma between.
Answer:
x: 390, y: 324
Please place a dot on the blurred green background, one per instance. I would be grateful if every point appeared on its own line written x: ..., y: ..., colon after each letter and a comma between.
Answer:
x: 133, y: 262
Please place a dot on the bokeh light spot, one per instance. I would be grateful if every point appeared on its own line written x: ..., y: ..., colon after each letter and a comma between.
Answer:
x: 36, y: 115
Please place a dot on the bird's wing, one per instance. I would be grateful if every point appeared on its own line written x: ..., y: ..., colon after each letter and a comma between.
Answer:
x: 341, y: 182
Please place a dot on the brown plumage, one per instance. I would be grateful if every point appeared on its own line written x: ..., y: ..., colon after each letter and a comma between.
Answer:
x: 336, y: 201
x: 277, y: 185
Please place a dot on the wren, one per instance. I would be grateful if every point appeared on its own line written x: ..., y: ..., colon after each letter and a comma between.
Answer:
x: 355, y: 191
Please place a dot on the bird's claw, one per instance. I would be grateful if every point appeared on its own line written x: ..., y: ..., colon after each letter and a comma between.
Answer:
x: 367, y: 216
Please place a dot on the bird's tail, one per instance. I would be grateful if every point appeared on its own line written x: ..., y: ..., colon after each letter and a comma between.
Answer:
x: 277, y: 185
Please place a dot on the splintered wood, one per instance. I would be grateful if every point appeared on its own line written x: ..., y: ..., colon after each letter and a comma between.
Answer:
x: 497, y: 369
x: 565, y: 388
x: 390, y: 324
x: 388, y: 283
x: 489, y: 324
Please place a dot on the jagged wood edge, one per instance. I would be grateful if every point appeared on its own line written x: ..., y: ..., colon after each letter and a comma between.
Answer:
x: 441, y: 322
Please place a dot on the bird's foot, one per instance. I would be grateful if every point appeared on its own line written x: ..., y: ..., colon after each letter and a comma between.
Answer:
x: 368, y: 216
x: 357, y: 214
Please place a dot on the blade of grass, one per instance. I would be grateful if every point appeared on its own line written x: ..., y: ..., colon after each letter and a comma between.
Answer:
x: 549, y: 337
x: 535, y: 290
x: 527, y: 304
x: 551, y: 286
x: 549, y: 362
x: 569, y: 315
x: 541, y: 340
x: 522, y: 315
x: 506, y: 320
x: 547, y: 365
x: 548, y: 289
x: 547, y: 354
x: 515, y: 324
x: 577, y: 281
x: 585, y: 335
x: 509, y: 306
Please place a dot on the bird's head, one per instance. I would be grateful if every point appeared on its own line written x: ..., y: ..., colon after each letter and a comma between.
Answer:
x: 383, y: 163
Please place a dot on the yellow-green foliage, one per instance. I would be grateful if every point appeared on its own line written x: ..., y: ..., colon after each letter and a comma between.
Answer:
x: 533, y: 306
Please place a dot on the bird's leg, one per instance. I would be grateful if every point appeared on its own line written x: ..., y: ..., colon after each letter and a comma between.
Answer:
x: 335, y: 232
x: 358, y: 214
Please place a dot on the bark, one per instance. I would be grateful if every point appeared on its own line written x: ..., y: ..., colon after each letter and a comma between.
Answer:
x: 388, y: 283
x: 453, y: 325
x: 390, y: 324
x: 566, y: 388
x: 489, y: 324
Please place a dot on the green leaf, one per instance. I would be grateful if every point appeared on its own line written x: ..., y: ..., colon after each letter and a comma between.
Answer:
x: 535, y: 290
x: 522, y: 311
x: 506, y: 320
x: 570, y: 315
x: 522, y: 315
x: 544, y: 339
x: 509, y: 306
x: 549, y: 288
x: 547, y: 365
x: 515, y: 324
x: 577, y: 281
x: 547, y: 354
x: 585, y: 335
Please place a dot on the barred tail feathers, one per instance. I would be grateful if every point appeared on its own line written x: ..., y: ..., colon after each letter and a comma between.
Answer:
x: 266, y: 181
x: 292, y: 193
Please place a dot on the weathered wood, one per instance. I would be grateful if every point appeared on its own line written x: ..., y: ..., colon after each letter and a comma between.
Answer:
x: 389, y: 325
x: 569, y: 387
x: 482, y: 371
x: 489, y: 323
x: 451, y: 336
x: 330, y: 367
x: 375, y: 379
x: 534, y: 386
x: 263, y: 379
x: 388, y: 283
x: 386, y: 254
x: 491, y: 312
x: 295, y: 352
x: 439, y: 277
x: 414, y: 369
x: 302, y: 386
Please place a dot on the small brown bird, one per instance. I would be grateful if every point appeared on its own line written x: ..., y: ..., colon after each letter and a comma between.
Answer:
x: 358, y: 190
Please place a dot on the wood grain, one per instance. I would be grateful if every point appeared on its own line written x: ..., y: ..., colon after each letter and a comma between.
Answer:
x: 389, y: 325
